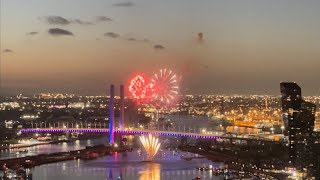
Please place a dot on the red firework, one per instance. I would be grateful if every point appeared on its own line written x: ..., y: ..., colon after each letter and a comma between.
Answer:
x: 140, y: 88
x: 165, y: 86
x: 160, y: 90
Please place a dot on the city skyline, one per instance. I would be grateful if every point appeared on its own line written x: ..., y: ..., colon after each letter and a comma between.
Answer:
x: 224, y: 47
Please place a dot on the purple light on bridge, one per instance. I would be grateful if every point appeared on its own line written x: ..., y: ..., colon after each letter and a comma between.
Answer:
x: 118, y: 132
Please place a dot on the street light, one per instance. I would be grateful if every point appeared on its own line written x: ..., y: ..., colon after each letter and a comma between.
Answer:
x: 282, y: 128
x: 236, y: 128
x: 272, y: 129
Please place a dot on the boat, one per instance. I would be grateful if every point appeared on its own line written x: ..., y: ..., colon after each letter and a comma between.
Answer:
x: 146, y: 161
x: 90, y: 156
x: 23, y: 151
x: 187, y: 158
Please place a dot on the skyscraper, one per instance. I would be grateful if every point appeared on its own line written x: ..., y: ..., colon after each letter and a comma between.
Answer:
x: 298, y: 117
x: 291, y: 103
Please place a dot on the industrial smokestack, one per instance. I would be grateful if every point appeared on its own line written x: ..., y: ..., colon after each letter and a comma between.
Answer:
x: 111, y: 118
x: 121, y: 121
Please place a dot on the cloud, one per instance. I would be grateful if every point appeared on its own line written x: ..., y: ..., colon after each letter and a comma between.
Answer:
x: 103, y: 19
x: 111, y: 34
x: 124, y: 4
x: 81, y: 22
x: 57, y: 20
x: 200, y: 38
x: 192, y: 66
x: 8, y: 51
x: 158, y: 47
x: 59, y: 32
x: 32, y: 33
x: 145, y: 40
x: 132, y: 39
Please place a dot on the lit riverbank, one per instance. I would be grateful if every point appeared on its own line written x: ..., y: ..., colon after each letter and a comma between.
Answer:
x: 87, y: 153
x: 51, y: 147
x: 233, y: 163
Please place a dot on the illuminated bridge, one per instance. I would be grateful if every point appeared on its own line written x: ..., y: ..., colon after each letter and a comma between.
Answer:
x: 161, y: 130
x: 123, y: 132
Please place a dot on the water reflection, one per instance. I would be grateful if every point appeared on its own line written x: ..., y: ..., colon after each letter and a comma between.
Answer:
x: 125, y: 167
x: 152, y: 172
x: 77, y: 144
x: 64, y: 147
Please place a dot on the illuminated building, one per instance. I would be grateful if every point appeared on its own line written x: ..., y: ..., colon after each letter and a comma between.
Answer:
x: 8, y: 124
x: 29, y: 116
x: 299, y: 118
x: 9, y: 105
x: 77, y: 105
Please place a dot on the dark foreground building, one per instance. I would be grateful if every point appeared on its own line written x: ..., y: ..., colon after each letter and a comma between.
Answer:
x: 299, y: 117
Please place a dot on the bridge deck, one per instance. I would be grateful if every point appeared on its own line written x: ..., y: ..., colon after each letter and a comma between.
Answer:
x: 217, y: 135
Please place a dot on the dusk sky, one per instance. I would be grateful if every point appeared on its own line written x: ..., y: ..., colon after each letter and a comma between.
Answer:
x: 247, y: 46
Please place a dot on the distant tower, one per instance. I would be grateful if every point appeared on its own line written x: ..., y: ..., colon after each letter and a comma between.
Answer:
x: 111, y: 119
x: 121, y: 121
x: 299, y: 117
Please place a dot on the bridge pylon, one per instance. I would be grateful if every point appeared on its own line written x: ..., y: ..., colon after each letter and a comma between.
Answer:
x: 111, y: 110
x: 111, y: 115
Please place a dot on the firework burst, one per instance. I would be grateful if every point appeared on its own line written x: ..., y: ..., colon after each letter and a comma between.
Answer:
x: 151, y: 145
x: 165, y: 85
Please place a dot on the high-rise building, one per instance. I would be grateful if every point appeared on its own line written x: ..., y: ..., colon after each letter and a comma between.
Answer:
x: 298, y: 117
x: 291, y: 103
x: 304, y: 126
x: 316, y: 155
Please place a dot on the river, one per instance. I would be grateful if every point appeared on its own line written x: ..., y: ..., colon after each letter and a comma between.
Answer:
x: 127, y: 166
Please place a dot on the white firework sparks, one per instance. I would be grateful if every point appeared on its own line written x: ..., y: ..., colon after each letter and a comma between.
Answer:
x: 151, y: 145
